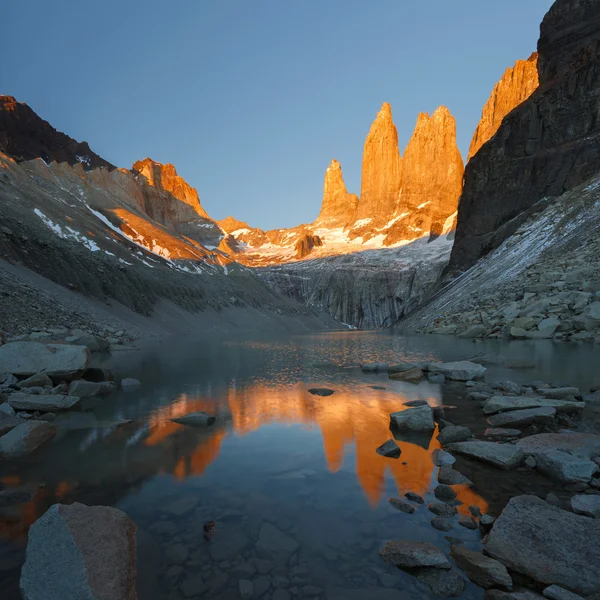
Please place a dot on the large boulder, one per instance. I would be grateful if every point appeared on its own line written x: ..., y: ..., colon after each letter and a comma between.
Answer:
x: 25, y: 438
x: 87, y: 389
x: 498, y: 404
x: 409, y: 555
x: 563, y: 467
x: 484, y: 571
x: 585, y: 445
x: 454, y: 433
x: 520, y: 418
x: 547, y: 544
x: 42, y: 402
x: 586, y: 504
x: 58, y: 361
x: 503, y: 456
x: 78, y: 552
x: 419, y: 418
x: 459, y: 371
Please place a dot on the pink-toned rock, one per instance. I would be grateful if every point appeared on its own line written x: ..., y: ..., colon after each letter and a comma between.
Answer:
x: 338, y: 208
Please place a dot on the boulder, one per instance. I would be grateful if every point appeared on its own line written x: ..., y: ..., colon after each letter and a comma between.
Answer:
x: 8, y: 422
x: 454, y: 433
x: 441, y: 457
x: 555, y: 592
x: 563, y: 467
x: 444, y: 492
x: 37, y: 380
x: 389, y: 449
x: 42, y: 402
x: 402, y: 505
x: 92, y: 342
x: 321, y: 391
x: 78, y: 551
x: 449, y: 476
x: 441, y: 509
x: 441, y: 523
x: 414, y: 497
x: 88, y: 389
x: 58, y: 361
x: 459, y: 371
x: 467, y: 521
x: 503, y: 456
x: 560, y: 393
x: 25, y: 438
x: 409, y: 555
x: 413, y: 419
x: 446, y: 584
x: 518, y: 333
x: 275, y: 545
x: 586, y: 504
x: 584, y: 445
x: 547, y: 544
x: 486, y: 572
x: 474, y: 331
x: 522, y: 417
x: 195, y: 419
x: 500, y: 433
x: 498, y: 404
x: 374, y: 367
x: 415, y: 374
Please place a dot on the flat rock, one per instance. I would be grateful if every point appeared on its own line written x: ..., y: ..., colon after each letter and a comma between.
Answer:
x: 442, y: 509
x: 195, y: 419
x: 88, y: 389
x: 559, y: 393
x: 454, y: 433
x: 25, y: 438
x: 275, y: 545
x: 547, y: 544
x: 78, y: 551
x: 503, y: 456
x: 522, y: 417
x: 459, y: 371
x: 42, y: 402
x: 498, y: 404
x: 415, y: 374
x: 449, y: 476
x: 586, y: 504
x: 408, y: 554
x: 402, y: 505
x: 441, y: 458
x: 58, y: 361
x: 446, y: 584
x: 7, y: 423
x: 585, y: 445
x: 413, y: 419
x: 467, y: 521
x: 413, y: 403
x: 321, y: 391
x: 501, y: 432
x: 39, y: 379
x: 389, y: 449
x: 555, y: 592
x: 564, y: 468
x: 486, y: 572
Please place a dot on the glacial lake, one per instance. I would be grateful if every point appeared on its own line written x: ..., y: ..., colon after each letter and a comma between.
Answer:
x: 284, y: 474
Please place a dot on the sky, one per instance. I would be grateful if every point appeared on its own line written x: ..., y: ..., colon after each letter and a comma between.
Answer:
x: 252, y: 99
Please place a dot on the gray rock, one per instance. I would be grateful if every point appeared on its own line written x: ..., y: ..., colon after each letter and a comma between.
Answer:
x: 503, y: 456
x: 560, y: 393
x: 444, y: 492
x: 441, y: 523
x: 39, y: 379
x: 448, y: 476
x: 414, y: 497
x: 531, y: 462
x: 585, y: 445
x: 25, y: 438
x: 486, y: 572
x: 441, y: 509
x: 458, y: 371
x: 477, y: 396
x: 415, y: 374
x: 563, y: 467
x: 518, y: 333
x: 441, y: 457
x: 129, y: 384
x: 550, y: 545
x: 44, y: 403
x: 474, y: 331
x: 8, y: 423
x: 475, y: 510
x: 467, y: 522
x: 413, y: 419
x: 510, y: 387
x: 6, y: 410
x: 275, y: 545
x: 321, y: 391
x: 555, y: 592
x: 447, y: 584
x: 374, y: 367
x: 413, y: 403
x: 58, y: 361
x: 92, y: 342
x: 389, y: 449
x: 88, y: 389
x: 401, y: 505
x: 195, y: 419
x: 522, y: 417
x: 500, y: 432
x: 454, y: 433
x: 586, y: 504
x: 498, y: 404
x: 76, y: 552
x: 408, y: 554
x: 436, y: 378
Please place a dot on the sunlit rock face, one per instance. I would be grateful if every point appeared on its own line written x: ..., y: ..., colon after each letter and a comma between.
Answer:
x: 432, y: 178
x: 381, y: 169
x: 305, y: 245
x: 338, y: 208
x: 25, y: 136
x: 547, y: 145
x: 516, y: 85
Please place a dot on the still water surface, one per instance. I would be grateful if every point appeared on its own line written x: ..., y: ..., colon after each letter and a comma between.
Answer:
x: 286, y: 476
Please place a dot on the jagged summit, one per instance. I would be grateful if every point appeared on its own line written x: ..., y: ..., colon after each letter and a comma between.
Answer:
x: 338, y: 208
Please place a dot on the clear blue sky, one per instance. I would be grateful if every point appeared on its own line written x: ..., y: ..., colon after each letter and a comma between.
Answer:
x: 251, y: 99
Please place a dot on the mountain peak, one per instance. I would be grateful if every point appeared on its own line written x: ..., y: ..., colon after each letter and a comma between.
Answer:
x: 338, y: 208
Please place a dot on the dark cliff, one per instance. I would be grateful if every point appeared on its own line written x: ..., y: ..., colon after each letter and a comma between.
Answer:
x: 545, y: 146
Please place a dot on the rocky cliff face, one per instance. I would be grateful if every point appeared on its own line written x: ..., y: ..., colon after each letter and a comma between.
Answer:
x: 25, y: 136
x: 544, y: 147
x: 338, y: 208
x: 165, y: 178
x: 516, y: 85
x: 381, y: 169
x: 432, y: 178
x: 305, y: 245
